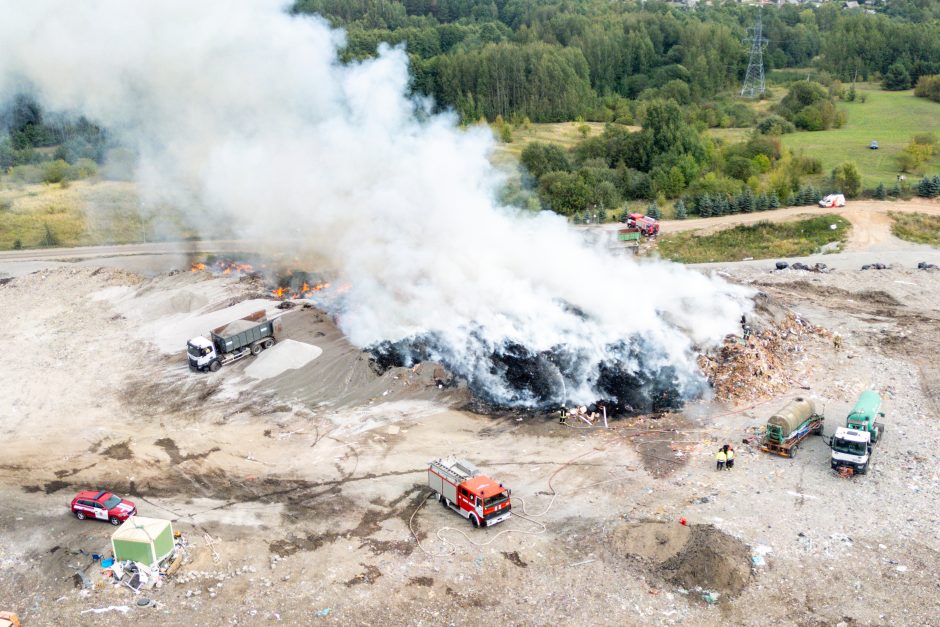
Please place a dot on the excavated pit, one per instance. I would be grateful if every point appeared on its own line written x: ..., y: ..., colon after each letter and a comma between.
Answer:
x: 692, y: 557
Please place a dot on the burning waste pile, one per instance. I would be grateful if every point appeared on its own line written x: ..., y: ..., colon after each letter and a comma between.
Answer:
x: 279, y: 139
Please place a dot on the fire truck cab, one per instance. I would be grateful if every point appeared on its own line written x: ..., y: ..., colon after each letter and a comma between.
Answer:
x: 461, y: 486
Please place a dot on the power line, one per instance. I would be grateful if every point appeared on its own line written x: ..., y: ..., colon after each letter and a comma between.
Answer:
x: 754, y: 84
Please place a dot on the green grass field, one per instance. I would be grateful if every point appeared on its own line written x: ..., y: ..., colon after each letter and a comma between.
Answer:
x: 890, y: 118
x: 763, y: 240
x: 85, y: 212
x: 919, y: 228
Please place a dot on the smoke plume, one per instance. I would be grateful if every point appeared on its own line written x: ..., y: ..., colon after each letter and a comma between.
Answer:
x: 241, y: 112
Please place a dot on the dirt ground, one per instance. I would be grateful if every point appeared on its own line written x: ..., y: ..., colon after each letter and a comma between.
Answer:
x: 301, y: 495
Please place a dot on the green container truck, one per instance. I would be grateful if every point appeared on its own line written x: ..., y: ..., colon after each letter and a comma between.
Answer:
x: 852, y: 444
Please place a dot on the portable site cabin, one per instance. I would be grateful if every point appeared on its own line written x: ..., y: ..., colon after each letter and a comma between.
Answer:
x: 145, y: 540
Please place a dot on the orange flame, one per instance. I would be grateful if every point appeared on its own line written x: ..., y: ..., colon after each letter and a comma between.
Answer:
x: 279, y: 292
x: 196, y: 267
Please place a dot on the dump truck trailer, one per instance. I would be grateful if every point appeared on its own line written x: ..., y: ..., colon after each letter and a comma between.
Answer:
x: 230, y: 342
x: 790, y: 426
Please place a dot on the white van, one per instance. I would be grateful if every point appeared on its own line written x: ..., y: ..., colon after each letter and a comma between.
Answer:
x: 833, y: 200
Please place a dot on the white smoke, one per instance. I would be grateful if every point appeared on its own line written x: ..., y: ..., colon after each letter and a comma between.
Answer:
x: 238, y: 109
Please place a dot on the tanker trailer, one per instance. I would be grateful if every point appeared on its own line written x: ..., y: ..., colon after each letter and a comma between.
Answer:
x: 787, y: 428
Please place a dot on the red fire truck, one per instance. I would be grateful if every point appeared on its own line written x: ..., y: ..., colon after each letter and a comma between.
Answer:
x: 461, y: 487
x: 648, y: 226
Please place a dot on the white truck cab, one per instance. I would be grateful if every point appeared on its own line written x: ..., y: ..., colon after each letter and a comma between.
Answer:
x: 202, y: 353
x: 851, y: 449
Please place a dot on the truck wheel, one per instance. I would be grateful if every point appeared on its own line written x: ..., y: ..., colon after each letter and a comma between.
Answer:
x: 444, y: 501
x: 474, y: 521
x: 793, y: 451
x: 268, y: 343
x: 80, y: 515
x: 255, y: 349
x: 214, y: 366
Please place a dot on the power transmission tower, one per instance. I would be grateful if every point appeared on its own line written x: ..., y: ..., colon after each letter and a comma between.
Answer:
x: 754, y: 78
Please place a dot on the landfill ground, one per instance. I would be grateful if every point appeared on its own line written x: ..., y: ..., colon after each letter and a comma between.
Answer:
x: 301, y: 494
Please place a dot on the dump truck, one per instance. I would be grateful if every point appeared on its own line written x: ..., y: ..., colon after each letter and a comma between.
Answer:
x: 230, y: 342
x: 461, y: 486
x: 792, y: 424
x: 852, y: 444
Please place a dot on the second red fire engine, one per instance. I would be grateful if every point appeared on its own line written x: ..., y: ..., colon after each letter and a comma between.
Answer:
x: 461, y: 487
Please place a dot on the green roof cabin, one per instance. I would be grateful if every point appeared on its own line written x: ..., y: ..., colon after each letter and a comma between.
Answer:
x: 145, y: 540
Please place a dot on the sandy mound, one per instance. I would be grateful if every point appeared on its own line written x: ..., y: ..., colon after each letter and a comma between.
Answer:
x: 283, y: 356
x: 699, y: 556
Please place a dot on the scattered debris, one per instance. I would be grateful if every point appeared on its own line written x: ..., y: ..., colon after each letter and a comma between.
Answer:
x: 875, y: 266
x: 123, y: 609
x: 923, y: 265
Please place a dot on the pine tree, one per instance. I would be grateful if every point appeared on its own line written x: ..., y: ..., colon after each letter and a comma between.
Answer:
x: 896, y: 190
x: 762, y: 202
x: 653, y: 211
x: 705, y: 206
x: 881, y: 192
x: 932, y: 187
x: 724, y: 206
x: 923, y: 188
x: 774, y: 202
x: 680, y: 210
x: 746, y: 201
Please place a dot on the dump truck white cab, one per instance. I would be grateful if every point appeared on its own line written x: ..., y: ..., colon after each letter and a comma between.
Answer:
x: 201, y: 353
x: 851, y: 449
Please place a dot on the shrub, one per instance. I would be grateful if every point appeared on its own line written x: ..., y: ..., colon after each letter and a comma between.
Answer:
x: 539, y: 158
x: 17, y: 244
x: 807, y: 165
x: 55, y: 171
x: 846, y: 179
x: 28, y: 174
x: 775, y: 125
x: 48, y: 237
x: 928, y: 87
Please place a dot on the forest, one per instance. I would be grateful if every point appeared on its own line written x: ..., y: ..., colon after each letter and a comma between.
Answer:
x: 555, y: 60
x: 668, y: 70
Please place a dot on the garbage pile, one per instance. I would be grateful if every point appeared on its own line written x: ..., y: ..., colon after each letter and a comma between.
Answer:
x: 761, y: 366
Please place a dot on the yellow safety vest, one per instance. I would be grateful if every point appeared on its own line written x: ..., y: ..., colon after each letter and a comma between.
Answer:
x: 720, y: 456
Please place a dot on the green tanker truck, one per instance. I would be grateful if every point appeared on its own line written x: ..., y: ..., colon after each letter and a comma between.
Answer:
x: 852, y: 444
x: 787, y: 428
